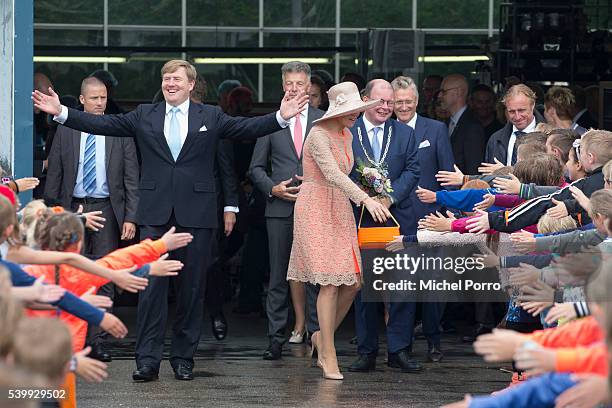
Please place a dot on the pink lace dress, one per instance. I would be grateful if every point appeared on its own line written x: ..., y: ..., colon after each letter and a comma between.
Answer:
x: 325, y: 249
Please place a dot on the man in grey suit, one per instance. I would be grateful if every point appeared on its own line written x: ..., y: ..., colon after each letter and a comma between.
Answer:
x: 99, y: 173
x: 281, y: 184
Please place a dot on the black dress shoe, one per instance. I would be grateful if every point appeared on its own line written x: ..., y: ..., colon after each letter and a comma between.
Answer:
x: 274, y: 351
x: 145, y: 374
x: 219, y: 326
x: 364, y: 363
x: 435, y: 355
x: 183, y: 372
x: 402, y: 360
x: 99, y: 353
x: 480, y: 329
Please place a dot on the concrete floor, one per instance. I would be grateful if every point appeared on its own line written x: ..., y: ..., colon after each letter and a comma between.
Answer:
x: 231, y: 373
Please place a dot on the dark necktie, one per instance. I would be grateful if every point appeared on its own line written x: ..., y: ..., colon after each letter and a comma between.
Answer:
x: 518, y: 135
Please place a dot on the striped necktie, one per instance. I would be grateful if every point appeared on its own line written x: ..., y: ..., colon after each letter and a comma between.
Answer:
x: 89, y: 165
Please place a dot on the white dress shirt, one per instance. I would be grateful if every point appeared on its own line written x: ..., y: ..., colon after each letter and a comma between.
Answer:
x: 370, y: 132
x: 303, y: 116
x: 412, y: 122
x: 182, y: 115
x: 530, y: 128
x: 454, y: 119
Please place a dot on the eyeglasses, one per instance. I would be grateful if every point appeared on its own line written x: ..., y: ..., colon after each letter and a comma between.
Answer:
x: 608, y: 181
x: 404, y: 103
x: 443, y: 91
x: 388, y: 103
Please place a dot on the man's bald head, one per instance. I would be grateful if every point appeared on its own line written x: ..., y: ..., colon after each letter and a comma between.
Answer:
x: 454, y: 92
x: 383, y: 91
x: 378, y: 85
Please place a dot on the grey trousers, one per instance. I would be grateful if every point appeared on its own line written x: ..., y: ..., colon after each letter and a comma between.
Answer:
x: 280, y: 238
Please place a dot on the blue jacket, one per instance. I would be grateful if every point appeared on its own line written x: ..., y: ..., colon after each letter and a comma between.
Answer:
x: 68, y: 303
x: 434, y: 154
x: 463, y: 200
x: 541, y: 391
x: 402, y: 164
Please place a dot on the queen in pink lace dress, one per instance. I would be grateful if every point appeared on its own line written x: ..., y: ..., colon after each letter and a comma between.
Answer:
x: 325, y: 249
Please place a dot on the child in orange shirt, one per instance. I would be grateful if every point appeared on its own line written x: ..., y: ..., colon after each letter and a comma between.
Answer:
x: 64, y: 232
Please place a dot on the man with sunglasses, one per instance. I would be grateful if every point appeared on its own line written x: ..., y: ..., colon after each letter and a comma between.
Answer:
x: 466, y: 134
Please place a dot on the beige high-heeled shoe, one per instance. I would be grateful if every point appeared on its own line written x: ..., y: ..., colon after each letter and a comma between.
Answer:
x: 314, y: 352
x: 330, y: 376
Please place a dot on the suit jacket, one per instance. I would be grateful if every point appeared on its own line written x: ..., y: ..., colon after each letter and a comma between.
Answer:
x: 226, y: 181
x: 468, y: 141
x: 274, y: 160
x: 403, y: 166
x: 121, y: 172
x: 497, y: 147
x: 187, y: 186
x: 434, y: 154
x: 587, y: 121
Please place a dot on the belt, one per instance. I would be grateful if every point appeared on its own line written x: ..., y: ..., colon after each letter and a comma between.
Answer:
x: 89, y: 200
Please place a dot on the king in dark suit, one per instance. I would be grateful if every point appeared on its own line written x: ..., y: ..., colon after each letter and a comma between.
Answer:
x: 178, y: 142
x: 379, y: 139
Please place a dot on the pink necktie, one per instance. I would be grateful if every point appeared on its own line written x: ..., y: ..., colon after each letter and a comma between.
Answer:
x: 298, y: 135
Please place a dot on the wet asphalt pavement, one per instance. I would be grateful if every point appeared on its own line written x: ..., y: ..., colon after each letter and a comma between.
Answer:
x: 231, y: 373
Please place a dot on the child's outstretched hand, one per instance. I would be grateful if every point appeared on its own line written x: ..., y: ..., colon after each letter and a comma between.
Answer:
x: 450, y: 178
x: 437, y: 222
x: 115, y: 327
x: 499, y: 345
x: 535, y: 308
x: 582, y: 199
x: 93, y: 219
x: 523, y: 275
x: 165, y: 267
x: 559, y: 311
x: 479, y: 223
x: 426, y: 196
x: 523, y: 241
x: 537, y: 291
x: 396, y: 245
x: 535, y: 361
x: 103, y: 302
x: 125, y: 280
x: 175, y: 240
x: 91, y: 370
x: 558, y: 211
x: 510, y: 185
x: 487, y: 201
x: 47, y: 293
x: 488, y: 168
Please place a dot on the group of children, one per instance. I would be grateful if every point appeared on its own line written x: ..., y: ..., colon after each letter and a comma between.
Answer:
x: 47, y: 297
x: 554, y: 209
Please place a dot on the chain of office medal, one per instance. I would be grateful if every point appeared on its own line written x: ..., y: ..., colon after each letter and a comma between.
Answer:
x: 384, y: 156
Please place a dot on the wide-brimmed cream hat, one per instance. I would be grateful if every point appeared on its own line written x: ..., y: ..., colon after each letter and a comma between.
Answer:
x: 344, y: 99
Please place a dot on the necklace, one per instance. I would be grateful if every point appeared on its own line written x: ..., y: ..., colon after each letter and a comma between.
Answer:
x: 384, y: 156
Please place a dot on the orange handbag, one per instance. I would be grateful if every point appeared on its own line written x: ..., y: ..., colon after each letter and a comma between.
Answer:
x: 376, y: 237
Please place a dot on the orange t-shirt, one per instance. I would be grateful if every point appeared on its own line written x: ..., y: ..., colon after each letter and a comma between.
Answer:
x: 79, y: 282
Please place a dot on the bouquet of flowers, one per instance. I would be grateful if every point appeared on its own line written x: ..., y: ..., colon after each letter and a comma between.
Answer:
x: 374, y: 180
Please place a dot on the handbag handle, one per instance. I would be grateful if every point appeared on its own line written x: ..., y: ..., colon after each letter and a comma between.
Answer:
x: 361, y: 217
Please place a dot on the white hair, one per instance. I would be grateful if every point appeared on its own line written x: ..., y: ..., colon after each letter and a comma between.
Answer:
x: 405, y: 82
